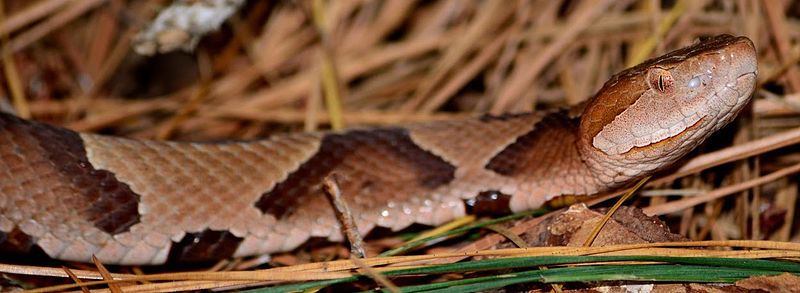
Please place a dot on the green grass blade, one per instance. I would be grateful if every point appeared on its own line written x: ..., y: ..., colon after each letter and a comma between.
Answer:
x: 690, y: 269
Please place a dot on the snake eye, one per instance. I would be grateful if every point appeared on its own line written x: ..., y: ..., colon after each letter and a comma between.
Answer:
x: 660, y: 80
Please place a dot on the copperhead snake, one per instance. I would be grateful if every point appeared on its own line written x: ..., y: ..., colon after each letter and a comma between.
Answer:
x: 74, y: 195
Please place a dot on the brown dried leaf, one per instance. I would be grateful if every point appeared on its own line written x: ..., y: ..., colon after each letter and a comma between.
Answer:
x: 781, y: 283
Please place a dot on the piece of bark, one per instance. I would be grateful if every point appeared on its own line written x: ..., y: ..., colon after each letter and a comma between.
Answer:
x: 785, y: 282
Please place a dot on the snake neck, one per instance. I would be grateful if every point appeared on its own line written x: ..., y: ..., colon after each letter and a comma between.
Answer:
x: 573, y: 163
x: 546, y: 163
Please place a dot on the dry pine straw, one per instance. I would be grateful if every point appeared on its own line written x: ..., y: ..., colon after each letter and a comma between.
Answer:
x: 344, y: 268
x: 398, y: 61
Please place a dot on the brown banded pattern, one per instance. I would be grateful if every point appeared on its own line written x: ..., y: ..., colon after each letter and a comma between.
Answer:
x: 207, y: 245
x: 363, y: 160
x: 57, y: 157
x: 50, y: 188
x: 142, y: 202
x: 16, y: 241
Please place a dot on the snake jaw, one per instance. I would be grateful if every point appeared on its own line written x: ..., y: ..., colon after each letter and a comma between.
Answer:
x: 662, y: 109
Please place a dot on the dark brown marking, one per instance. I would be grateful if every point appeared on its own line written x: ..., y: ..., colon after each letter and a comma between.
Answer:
x: 531, y: 147
x: 208, y: 245
x: 431, y: 171
x: 16, y: 241
x: 489, y: 203
x: 103, y: 200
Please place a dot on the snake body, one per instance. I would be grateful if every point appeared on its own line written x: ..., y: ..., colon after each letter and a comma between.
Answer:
x: 74, y: 195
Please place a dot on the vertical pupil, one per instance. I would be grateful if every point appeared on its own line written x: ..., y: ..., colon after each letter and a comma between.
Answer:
x: 661, y: 83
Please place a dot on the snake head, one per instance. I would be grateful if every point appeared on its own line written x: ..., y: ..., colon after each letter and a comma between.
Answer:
x: 648, y: 116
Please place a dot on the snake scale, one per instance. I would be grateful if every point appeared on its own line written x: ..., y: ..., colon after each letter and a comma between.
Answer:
x: 74, y: 195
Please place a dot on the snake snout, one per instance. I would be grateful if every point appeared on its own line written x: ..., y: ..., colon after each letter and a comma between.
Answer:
x: 742, y: 54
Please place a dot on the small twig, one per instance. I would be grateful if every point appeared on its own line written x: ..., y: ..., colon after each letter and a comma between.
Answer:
x: 375, y: 275
x: 331, y: 187
x: 607, y: 216
x: 513, y: 237
x: 75, y: 279
x: 113, y: 287
x: 681, y: 204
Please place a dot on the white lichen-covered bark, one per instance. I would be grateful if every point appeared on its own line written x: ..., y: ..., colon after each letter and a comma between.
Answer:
x: 182, y: 24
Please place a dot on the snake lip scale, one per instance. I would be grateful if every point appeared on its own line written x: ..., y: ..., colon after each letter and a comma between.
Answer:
x: 74, y: 195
